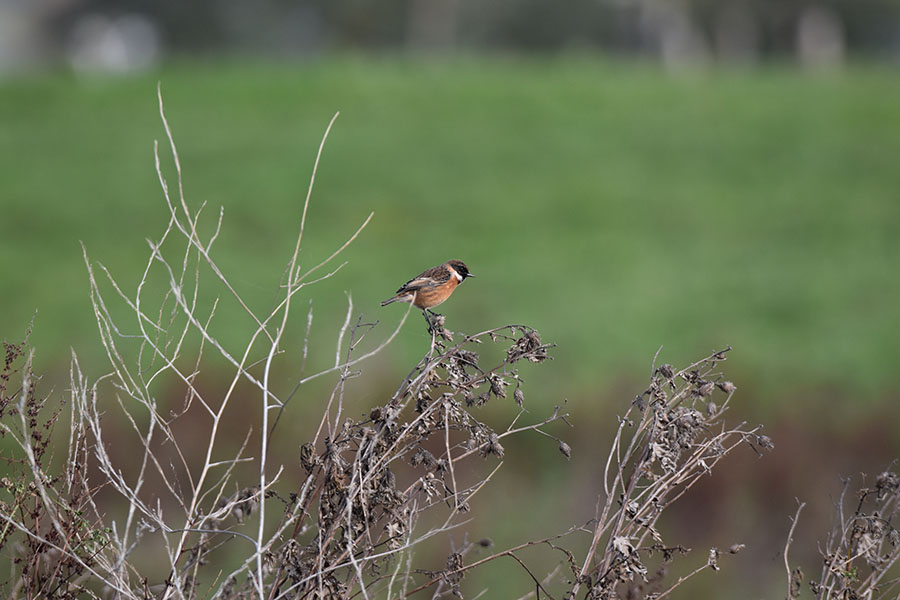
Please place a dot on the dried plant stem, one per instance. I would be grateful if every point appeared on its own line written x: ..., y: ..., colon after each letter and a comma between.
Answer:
x: 787, y: 545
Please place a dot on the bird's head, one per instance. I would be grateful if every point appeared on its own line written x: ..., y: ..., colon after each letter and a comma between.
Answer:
x: 461, y: 268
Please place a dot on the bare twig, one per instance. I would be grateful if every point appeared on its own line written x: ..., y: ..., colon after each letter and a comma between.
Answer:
x: 791, y: 592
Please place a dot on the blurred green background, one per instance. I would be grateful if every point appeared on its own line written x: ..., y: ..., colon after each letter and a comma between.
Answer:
x: 614, y: 208
x: 616, y: 204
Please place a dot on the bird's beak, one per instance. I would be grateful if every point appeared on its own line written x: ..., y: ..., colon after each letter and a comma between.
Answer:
x: 470, y: 275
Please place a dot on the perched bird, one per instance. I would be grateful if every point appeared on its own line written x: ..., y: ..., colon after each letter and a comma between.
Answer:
x: 432, y: 287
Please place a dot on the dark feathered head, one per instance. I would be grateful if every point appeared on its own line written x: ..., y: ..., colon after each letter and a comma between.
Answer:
x: 461, y: 268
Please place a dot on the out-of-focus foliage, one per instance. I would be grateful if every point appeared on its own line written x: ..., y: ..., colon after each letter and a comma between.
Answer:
x: 619, y: 25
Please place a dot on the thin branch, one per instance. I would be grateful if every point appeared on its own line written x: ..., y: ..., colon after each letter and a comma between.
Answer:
x: 787, y: 545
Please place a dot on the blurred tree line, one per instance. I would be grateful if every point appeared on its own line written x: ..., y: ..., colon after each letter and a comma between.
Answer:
x: 676, y: 31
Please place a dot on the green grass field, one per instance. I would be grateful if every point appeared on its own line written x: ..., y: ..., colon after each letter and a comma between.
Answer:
x: 613, y: 207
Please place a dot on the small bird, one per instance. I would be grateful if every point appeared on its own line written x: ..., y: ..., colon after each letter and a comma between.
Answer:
x: 431, y: 287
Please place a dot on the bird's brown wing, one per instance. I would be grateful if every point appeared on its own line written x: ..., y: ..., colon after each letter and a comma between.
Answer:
x: 432, y: 277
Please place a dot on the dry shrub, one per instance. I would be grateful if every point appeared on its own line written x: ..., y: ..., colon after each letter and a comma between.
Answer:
x: 862, y: 551
x: 372, y: 489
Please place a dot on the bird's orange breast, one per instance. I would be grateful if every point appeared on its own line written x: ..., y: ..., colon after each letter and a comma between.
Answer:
x: 428, y: 297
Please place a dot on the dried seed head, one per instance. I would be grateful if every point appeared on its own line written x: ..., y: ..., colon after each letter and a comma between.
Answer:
x: 639, y: 401
x: 492, y: 446
x: 727, y: 387
x: 528, y: 346
x: 886, y: 484
x: 454, y: 573
x: 388, y: 480
x: 765, y: 442
x: 796, y: 582
x: 720, y: 355
x: 735, y: 548
x: 308, y: 459
x: 245, y: 502
x: 667, y: 371
x: 519, y: 397
x: 422, y: 456
x: 497, y: 385
x: 467, y: 357
x: 622, y: 545
x: 430, y: 485
x: 422, y: 400
x: 565, y: 449
x: 706, y: 388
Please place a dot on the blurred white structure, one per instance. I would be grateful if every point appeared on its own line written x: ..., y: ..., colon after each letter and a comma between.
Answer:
x: 821, y: 41
x: 123, y: 44
x: 36, y: 33
x: 668, y: 27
